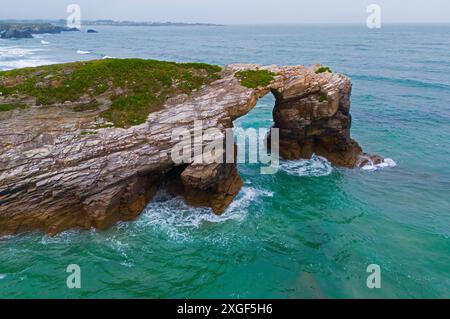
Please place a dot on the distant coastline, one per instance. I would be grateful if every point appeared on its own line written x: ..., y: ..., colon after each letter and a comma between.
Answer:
x: 24, y: 29
x: 27, y: 30
x: 62, y: 22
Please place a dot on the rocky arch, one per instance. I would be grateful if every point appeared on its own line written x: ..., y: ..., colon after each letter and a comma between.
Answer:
x: 312, y: 113
x: 53, y: 178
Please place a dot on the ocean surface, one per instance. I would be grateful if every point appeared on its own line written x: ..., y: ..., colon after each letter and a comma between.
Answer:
x: 308, y: 231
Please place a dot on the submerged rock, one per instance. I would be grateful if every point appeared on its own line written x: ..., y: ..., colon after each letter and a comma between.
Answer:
x: 65, y: 165
x: 307, y: 287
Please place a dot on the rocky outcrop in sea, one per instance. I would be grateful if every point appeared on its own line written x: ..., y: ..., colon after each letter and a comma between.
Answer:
x: 101, y: 156
x: 26, y: 30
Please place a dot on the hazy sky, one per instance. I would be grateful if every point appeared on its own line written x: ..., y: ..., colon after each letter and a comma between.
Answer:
x: 233, y: 11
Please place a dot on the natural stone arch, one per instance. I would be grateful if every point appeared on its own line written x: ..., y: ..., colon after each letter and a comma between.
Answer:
x: 53, y: 178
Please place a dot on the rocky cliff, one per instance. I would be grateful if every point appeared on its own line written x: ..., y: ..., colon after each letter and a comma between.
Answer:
x: 88, y: 144
x: 26, y: 30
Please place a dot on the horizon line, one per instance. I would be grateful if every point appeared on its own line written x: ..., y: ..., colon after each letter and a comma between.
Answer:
x: 236, y: 24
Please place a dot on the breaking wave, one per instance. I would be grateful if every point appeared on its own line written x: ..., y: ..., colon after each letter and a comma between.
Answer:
x: 314, y: 167
x: 177, y: 219
x: 387, y: 162
x: 26, y: 63
x: 121, y: 248
x: 13, y: 57
x: 13, y: 52
x: 83, y: 52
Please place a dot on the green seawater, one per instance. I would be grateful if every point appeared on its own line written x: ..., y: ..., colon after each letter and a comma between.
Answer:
x: 309, y: 230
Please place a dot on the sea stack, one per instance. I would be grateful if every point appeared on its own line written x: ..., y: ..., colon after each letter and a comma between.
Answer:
x: 83, y: 145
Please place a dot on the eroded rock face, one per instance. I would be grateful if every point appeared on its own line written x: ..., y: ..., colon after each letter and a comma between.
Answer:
x: 313, y: 115
x: 53, y: 177
x: 213, y: 185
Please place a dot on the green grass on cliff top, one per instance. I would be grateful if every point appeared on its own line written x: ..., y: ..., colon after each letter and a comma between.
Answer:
x: 9, y: 107
x: 136, y: 87
x: 255, y: 78
x: 324, y: 69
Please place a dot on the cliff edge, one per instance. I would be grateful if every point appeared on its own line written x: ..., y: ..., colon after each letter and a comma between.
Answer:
x: 88, y: 144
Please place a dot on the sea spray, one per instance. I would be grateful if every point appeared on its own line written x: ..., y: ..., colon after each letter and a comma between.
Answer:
x: 314, y: 167
x: 387, y: 162
x: 176, y: 219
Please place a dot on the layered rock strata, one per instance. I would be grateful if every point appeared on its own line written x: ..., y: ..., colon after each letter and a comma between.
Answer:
x: 53, y: 177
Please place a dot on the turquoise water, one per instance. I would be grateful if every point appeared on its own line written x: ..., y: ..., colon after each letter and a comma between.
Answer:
x: 308, y: 231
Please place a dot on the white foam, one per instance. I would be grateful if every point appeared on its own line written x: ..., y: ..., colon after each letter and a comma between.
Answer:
x: 15, y: 52
x: 65, y: 237
x: 83, y: 52
x: 121, y: 248
x: 2, y: 276
x: 7, y: 237
x: 387, y: 162
x: 248, y: 194
x: 107, y: 57
x: 44, y: 42
x: 177, y: 219
x: 316, y: 166
x: 25, y: 63
x: 13, y: 57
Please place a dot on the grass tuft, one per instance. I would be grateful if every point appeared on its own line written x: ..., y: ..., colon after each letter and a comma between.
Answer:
x: 322, y: 99
x: 255, y: 78
x: 323, y: 69
x: 10, y: 107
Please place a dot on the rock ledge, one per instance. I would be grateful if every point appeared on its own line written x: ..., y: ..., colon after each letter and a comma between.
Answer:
x: 53, y: 177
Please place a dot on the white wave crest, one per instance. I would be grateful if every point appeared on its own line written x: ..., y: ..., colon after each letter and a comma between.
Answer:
x: 316, y: 166
x: 13, y: 57
x: 387, y: 162
x: 15, y: 52
x: 175, y: 218
x: 83, y: 52
x: 25, y: 63
x: 121, y: 248
x: 247, y: 195
x: 44, y: 42
x: 65, y: 237
x: 2, y: 276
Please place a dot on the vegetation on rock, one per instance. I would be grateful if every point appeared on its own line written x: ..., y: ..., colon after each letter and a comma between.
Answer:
x: 323, y: 69
x: 255, y: 78
x: 10, y: 107
x: 322, y: 99
x: 136, y: 87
